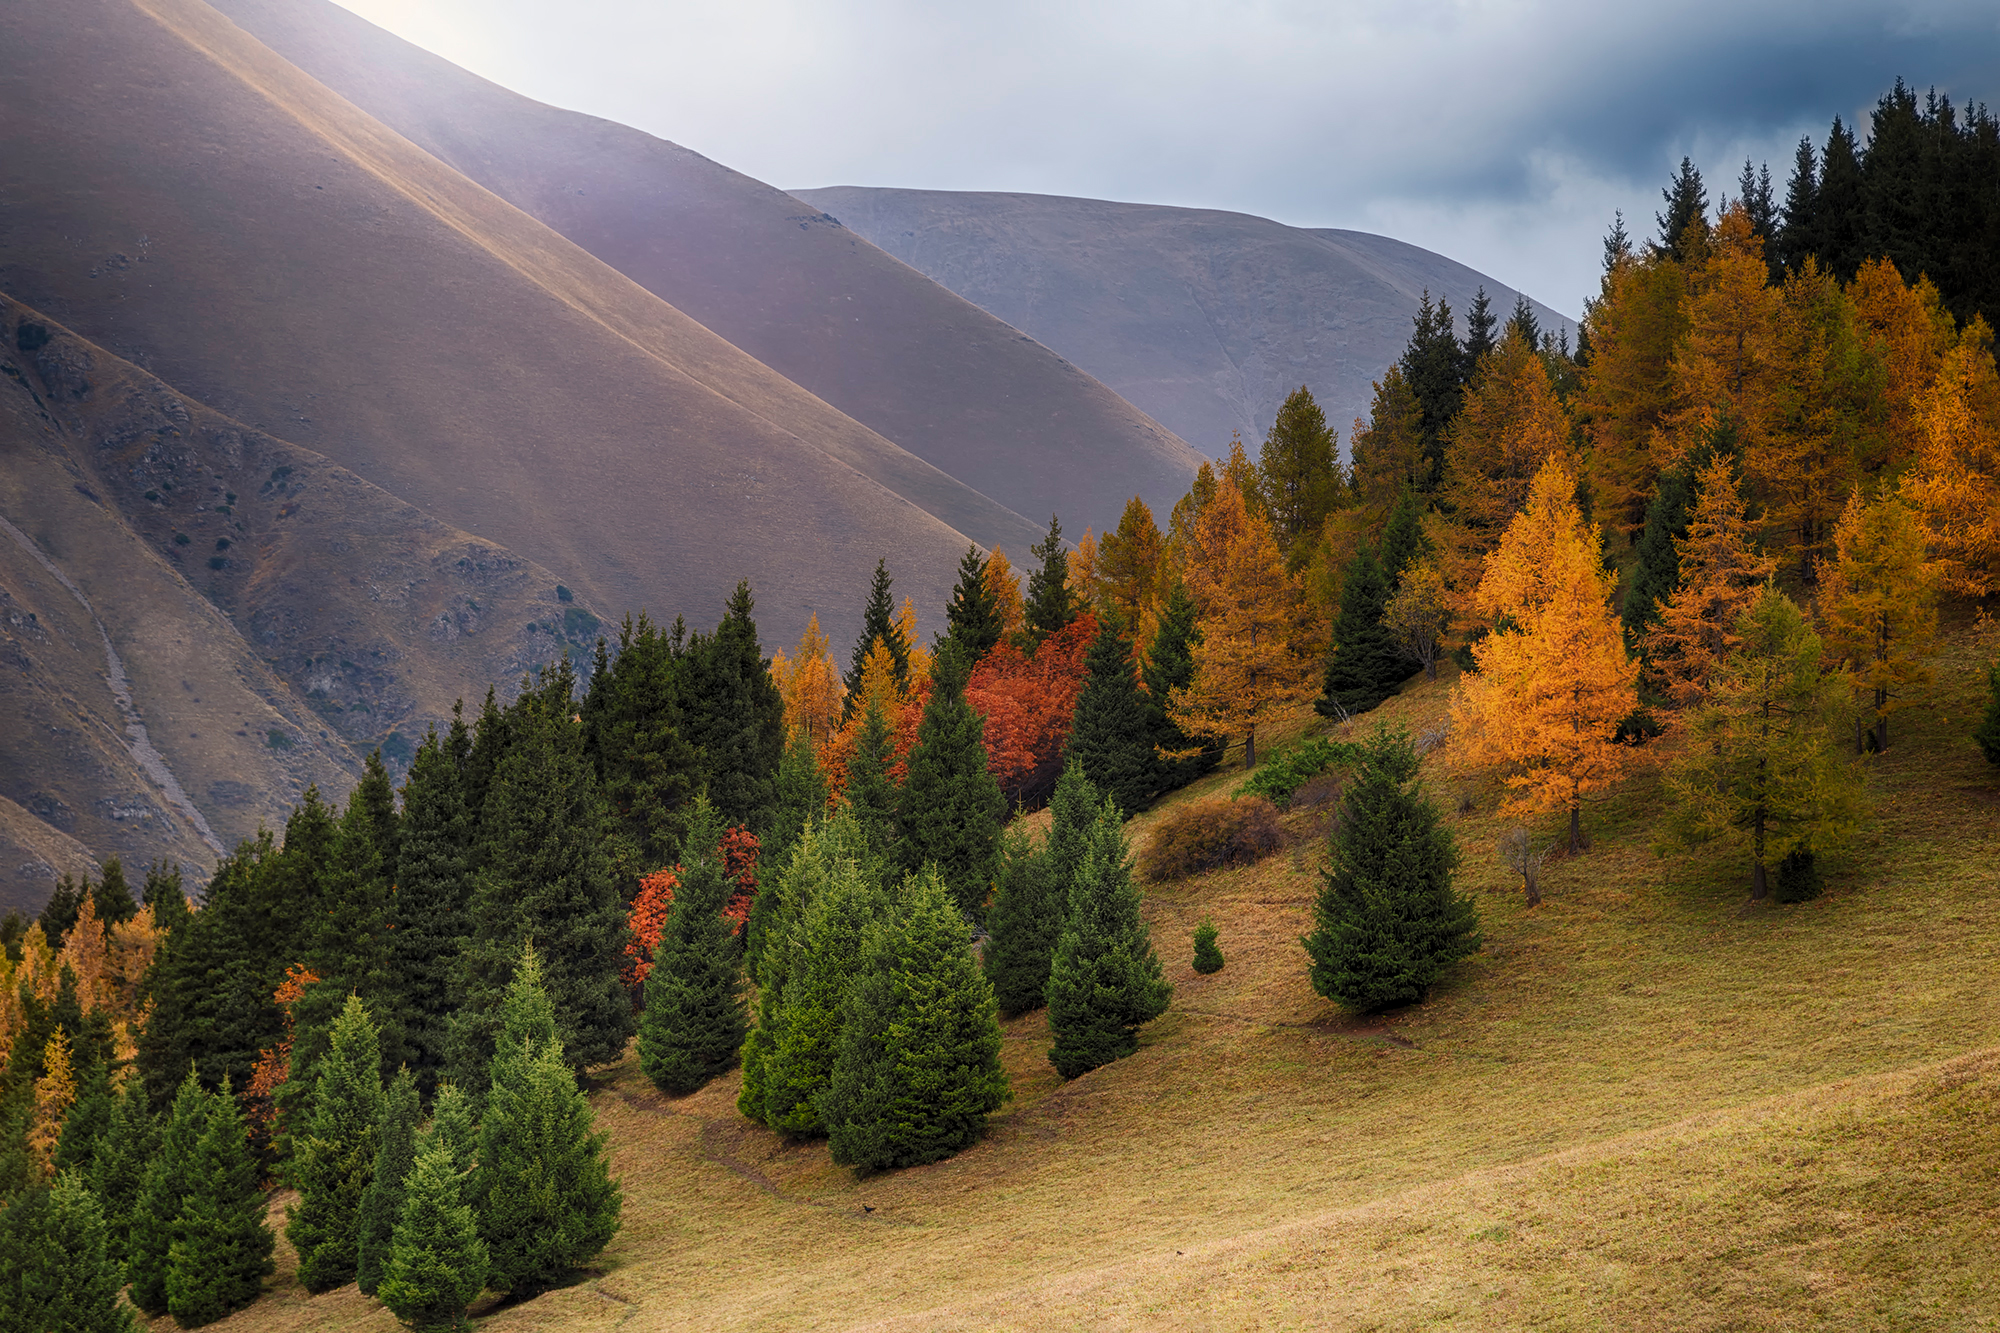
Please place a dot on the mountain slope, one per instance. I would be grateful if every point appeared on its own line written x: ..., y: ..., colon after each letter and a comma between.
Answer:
x: 180, y: 195
x: 1204, y: 319
x: 264, y: 613
x: 786, y: 284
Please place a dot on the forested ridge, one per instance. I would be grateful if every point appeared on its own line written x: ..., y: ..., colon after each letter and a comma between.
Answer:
x: 1719, y: 539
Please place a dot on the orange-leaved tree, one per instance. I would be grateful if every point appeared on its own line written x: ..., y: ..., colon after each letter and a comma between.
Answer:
x: 1028, y: 703
x: 1721, y: 572
x: 1511, y: 424
x: 1955, y: 483
x: 1638, y: 319
x: 1248, y: 665
x: 1130, y: 561
x: 1554, y: 679
x: 739, y: 867
x: 274, y: 1064
x: 1878, y: 596
x: 645, y: 922
x: 1005, y: 585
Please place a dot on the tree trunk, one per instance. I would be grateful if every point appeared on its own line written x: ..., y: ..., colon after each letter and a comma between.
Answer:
x: 1576, y: 826
x: 1250, y: 748
x: 1431, y: 667
x: 1760, y: 887
x: 1531, y: 872
x: 1881, y: 722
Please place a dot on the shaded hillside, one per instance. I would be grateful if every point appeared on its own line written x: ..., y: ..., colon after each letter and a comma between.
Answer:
x: 266, y: 613
x: 786, y: 284
x: 1202, y: 318
x: 181, y: 196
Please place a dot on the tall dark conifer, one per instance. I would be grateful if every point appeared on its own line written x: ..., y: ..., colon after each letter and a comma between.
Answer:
x: 1840, y: 208
x: 972, y: 617
x: 1480, y: 321
x: 1403, y: 540
x: 734, y: 715
x: 55, y: 1273
x: 1432, y: 365
x: 118, y: 1173
x: 431, y: 907
x: 637, y: 740
x: 334, y: 1152
x: 1105, y: 981
x: 1658, y: 571
x: 382, y: 1205
x: 878, y: 622
x: 950, y: 808
x: 113, y: 894
x: 156, y: 1213
x: 1298, y: 475
x: 1110, y: 735
x: 1687, y: 202
x: 1389, y: 920
x: 1025, y: 920
x: 1049, y: 604
x: 1365, y: 665
x: 802, y: 798
x: 544, y: 876
x: 870, y: 790
x: 1178, y: 757
x: 694, y: 1020
x: 221, y: 1252
x: 166, y: 895
x: 918, y: 1071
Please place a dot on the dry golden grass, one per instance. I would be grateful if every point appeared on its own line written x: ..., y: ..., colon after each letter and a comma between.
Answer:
x: 1643, y: 1105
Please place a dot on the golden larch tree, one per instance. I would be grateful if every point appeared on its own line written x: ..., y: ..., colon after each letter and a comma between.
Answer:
x: 1911, y: 331
x: 919, y: 655
x: 1955, y: 483
x: 1085, y: 591
x: 1511, y: 425
x: 1721, y: 572
x: 810, y: 685
x: 1636, y: 323
x: 1725, y: 368
x: 55, y: 1093
x: 1878, y: 597
x: 1556, y: 680
x: 1005, y: 585
x: 84, y: 953
x: 1129, y: 563
x: 1248, y: 665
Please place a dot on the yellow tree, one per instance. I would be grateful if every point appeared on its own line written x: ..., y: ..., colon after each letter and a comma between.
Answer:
x: 1635, y: 324
x: 1387, y: 453
x: 810, y: 685
x: 1247, y: 666
x: 1911, y: 331
x: 1555, y: 681
x: 1005, y: 585
x: 1419, y: 612
x: 1084, y: 588
x: 1955, y: 483
x: 1725, y: 367
x: 920, y: 656
x: 55, y: 1093
x: 1824, y: 417
x: 1879, y: 600
x: 1129, y: 563
x: 84, y: 953
x: 1721, y: 572
x: 1511, y: 425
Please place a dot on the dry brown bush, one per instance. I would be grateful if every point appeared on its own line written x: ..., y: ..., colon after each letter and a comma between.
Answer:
x: 1206, y: 835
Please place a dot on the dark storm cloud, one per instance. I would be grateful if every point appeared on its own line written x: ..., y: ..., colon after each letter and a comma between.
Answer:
x: 1504, y: 134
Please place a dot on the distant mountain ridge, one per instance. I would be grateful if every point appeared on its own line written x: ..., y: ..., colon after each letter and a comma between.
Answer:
x: 1204, y: 319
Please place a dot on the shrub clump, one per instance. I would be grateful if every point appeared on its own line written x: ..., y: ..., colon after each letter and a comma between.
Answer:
x: 1280, y: 778
x: 1210, y: 834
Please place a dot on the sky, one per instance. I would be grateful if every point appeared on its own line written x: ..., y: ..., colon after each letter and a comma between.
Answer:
x: 1503, y: 133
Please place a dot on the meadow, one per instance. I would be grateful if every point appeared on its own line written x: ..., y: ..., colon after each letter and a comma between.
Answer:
x: 1646, y: 1103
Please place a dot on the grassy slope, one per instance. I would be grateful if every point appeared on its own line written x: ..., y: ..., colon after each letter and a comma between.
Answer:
x: 1643, y: 1105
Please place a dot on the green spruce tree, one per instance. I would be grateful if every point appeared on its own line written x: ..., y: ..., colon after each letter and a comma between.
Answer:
x: 1389, y: 921
x: 1365, y: 664
x: 55, y: 1272
x: 113, y: 893
x: 432, y: 905
x: 1657, y: 575
x: 637, y: 741
x: 1988, y: 732
x: 438, y: 1263
x: 734, y: 715
x: 543, y: 1195
x: 544, y: 875
x: 1104, y: 981
x: 382, y: 1205
x: 221, y: 1252
x: 918, y: 1068
x: 805, y: 1024
x: 878, y: 622
x: 1110, y: 735
x: 1050, y: 604
x: 88, y: 1124
x: 972, y: 617
x: 169, y: 1180
x: 802, y: 797
x: 1298, y: 475
x: 694, y: 1019
x: 118, y: 1172
x: 950, y: 808
x: 1403, y: 540
x: 1207, y: 954
x: 1025, y: 920
x: 1433, y: 365
x: 871, y: 790
x: 335, y: 1154
x: 164, y: 894
x: 1178, y: 757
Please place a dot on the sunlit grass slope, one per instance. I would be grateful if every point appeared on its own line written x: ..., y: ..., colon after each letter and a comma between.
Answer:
x: 1643, y: 1105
